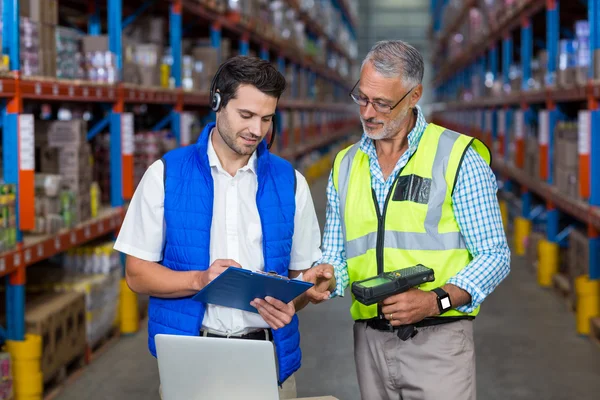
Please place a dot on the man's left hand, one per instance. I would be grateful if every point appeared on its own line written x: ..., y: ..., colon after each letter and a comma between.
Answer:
x: 410, y: 307
x: 275, y: 313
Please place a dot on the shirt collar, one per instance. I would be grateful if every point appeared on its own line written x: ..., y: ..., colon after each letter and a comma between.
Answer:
x: 213, y: 159
x: 414, y: 136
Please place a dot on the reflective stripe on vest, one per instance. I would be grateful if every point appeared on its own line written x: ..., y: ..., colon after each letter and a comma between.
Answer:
x: 432, y: 240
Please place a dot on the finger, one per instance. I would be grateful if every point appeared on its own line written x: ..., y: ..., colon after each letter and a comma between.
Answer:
x: 278, y: 304
x: 227, y: 263
x: 387, y: 310
x: 266, y: 313
x: 323, y: 273
x: 268, y: 318
x: 393, y: 299
x: 281, y: 315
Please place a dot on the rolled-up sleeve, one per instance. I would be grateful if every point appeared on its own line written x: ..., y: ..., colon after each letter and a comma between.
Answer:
x: 333, y: 241
x: 478, y: 215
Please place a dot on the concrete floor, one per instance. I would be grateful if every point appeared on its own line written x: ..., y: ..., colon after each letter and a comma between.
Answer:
x: 526, y: 344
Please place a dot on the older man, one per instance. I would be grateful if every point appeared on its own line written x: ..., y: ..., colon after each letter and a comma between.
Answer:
x: 412, y: 193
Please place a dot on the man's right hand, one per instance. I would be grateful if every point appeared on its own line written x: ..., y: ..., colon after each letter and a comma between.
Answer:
x: 323, y: 279
x: 215, y: 269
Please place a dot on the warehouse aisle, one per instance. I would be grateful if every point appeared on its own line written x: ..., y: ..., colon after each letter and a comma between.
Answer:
x: 526, y: 344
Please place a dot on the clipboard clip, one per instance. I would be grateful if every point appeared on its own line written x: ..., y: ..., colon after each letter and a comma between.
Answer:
x: 272, y: 275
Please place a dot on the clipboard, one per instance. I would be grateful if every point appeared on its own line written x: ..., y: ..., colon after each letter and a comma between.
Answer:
x: 236, y: 288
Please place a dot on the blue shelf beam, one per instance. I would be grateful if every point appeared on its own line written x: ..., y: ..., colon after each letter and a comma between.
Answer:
x: 11, y: 32
x: 116, y: 160
x: 264, y: 53
x: 99, y: 127
x: 244, y: 45
x: 215, y: 40
x: 175, y: 33
x: 552, y: 36
x: 133, y: 16
x: 507, y: 52
x: 94, y: 24
x: 526, y: 52
x: 593, y: 19
x: 163, y: 123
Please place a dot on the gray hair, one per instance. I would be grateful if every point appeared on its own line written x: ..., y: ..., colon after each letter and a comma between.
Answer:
x: 396, y: 59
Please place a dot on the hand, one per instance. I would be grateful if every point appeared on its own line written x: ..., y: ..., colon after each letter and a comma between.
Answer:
x: 275, y: 312
x: 410, y: 307
x: 216, y: 269
x: 323, y: 279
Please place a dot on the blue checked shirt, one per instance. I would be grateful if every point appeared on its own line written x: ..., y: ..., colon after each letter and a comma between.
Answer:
x: 475, y: 208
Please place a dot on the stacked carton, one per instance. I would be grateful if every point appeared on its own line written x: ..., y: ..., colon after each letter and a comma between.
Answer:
x: 8, y: 222
x: 149, y: 147
x: 60, y: 320
x: 65, y: 152
x: 29, y: 48
x: 93, y: 271
x: 69, y: 58
x: 532, y: 157
x: 54, y: 205
x: 566, y: 159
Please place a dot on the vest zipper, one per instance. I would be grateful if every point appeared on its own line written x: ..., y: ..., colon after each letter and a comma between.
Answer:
x: 381, y: 229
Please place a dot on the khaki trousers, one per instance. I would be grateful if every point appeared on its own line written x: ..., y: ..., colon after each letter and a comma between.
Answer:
x: 438, y: 363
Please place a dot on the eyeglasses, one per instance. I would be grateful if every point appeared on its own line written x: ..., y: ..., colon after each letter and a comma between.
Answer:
x: 379, y: 107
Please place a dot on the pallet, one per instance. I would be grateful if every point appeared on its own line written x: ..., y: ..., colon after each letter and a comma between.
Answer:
x: 102, y: 345
x: 595, y: 330
x: 66, y: 375
x: 562, y: 286
x: 70, y: 373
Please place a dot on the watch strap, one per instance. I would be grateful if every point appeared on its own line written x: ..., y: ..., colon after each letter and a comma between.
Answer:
x: 443, y: 300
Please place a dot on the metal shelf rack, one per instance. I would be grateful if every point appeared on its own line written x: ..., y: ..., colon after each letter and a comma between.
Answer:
x: 490, y: 118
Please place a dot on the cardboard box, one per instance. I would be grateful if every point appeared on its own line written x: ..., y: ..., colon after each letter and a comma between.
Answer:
x: 566, y: 77
x: 60, y: 320
x: 67, y: 133
x: 567, y: 181
x: 566, y: 144
x: 92, y: 44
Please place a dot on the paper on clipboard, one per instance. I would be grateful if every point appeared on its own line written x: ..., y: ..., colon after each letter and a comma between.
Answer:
x: 236, y: 288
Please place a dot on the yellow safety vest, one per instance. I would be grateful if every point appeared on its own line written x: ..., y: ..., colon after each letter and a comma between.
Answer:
x: 417, y: 224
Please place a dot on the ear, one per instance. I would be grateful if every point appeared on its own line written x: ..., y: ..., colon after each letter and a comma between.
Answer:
x: 416, y: 95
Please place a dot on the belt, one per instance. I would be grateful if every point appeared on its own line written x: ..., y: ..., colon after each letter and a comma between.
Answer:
x: 263, y: 334
x: 406, y: 332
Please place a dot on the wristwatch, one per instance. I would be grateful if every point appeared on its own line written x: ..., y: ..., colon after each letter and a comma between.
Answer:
x: 443, y: 300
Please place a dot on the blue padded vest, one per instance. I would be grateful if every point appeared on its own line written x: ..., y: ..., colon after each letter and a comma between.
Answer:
x: 188, y: 207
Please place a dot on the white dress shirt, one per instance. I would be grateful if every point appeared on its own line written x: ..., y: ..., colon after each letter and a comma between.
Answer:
x: 236, y: 231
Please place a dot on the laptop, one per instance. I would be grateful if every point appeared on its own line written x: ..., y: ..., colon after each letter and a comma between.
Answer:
x: 197, y: 367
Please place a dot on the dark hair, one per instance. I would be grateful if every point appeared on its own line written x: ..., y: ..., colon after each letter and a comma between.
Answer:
x: 250, y: 71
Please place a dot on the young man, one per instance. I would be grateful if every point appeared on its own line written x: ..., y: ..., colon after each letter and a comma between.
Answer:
x: 224, y: 202
x: 410, y: 193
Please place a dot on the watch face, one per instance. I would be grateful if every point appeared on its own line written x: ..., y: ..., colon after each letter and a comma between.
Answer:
x: 445, y: 303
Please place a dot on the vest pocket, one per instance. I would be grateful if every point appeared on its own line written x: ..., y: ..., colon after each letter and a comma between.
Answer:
x: 412, y: 188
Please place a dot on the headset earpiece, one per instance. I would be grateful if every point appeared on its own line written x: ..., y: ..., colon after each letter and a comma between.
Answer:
x: 215, y: 104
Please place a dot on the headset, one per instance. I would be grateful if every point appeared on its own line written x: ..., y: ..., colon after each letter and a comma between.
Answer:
x: 216, y: 100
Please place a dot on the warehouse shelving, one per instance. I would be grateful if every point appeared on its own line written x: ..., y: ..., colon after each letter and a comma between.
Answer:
x: 492, y: 117
x: 36, y: 248
x: 16, y: 89
x: 506, y: 117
